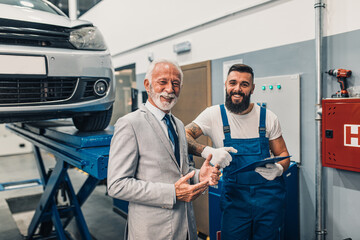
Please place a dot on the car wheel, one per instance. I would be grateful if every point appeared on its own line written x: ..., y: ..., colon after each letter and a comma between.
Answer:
x: 95, y: 122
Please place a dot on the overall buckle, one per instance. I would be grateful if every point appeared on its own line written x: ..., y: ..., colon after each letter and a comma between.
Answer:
x: 226, y: 129
x: 261, y: 129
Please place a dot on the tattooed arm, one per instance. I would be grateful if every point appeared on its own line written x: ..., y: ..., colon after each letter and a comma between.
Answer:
x: 220, y: 156
x: 193, y: 131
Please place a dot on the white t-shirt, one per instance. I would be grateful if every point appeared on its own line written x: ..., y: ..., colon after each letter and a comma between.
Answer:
x: 241, y: 126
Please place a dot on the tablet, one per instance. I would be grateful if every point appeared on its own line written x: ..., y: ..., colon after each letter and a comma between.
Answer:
x: 260, y: 163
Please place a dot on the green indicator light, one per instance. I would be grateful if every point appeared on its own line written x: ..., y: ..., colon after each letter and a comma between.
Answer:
x: 279, y: 86
x: 263, y: 88
x: 271, y: 87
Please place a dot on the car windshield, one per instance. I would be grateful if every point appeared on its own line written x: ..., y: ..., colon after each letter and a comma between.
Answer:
x: 33, y: 4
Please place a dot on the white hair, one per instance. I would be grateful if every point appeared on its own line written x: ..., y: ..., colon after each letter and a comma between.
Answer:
x: 153, y: 64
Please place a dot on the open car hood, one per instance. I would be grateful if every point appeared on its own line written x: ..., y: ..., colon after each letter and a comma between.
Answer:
x: 37, y: 16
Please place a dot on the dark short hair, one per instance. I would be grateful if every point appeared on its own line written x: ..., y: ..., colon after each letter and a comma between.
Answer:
x: 242, y: 68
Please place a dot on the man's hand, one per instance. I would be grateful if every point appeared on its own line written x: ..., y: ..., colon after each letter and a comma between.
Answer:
x: 221, y: 156
x: 186, y: 192
x: 209, y: 173
x: 270, y: 171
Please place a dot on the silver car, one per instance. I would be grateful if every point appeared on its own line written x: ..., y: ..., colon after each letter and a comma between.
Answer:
x: 53, y: 67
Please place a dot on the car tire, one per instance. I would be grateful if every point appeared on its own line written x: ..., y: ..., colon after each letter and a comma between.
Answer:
x: 95, y: 122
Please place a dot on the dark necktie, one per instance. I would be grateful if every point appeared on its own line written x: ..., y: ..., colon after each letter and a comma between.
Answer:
x: 173, y: 137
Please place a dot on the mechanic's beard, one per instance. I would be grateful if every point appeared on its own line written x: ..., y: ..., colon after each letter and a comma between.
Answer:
x: 237, y: 107
x: 165, y: 106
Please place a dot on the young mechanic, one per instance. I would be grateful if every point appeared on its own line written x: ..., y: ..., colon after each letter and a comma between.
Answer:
x: 252, y: 202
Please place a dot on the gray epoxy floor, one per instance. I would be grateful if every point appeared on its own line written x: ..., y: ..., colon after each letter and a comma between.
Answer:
x: 102, y: 221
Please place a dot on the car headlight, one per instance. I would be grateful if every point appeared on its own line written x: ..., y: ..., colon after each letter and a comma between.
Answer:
x: 87, y: 38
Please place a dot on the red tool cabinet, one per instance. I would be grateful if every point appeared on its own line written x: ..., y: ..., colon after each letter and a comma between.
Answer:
x: 341, y: 133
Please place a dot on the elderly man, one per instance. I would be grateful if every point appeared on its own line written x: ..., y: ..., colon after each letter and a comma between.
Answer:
x: 149, y: 164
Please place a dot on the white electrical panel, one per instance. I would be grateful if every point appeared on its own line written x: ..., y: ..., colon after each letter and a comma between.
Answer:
x: 11, y: 144
x: 281, y: 94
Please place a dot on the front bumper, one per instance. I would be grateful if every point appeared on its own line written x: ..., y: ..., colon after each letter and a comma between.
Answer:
x: 30, y: 113
x: 61, y: 63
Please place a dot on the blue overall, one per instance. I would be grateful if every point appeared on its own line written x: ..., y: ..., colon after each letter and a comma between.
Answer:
x: 252, y: 207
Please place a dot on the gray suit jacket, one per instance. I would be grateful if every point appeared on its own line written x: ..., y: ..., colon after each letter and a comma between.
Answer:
x: 142, y: 169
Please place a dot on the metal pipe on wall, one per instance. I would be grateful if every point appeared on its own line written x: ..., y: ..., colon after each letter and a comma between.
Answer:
x: 320, y: 230
x: 73, y: 8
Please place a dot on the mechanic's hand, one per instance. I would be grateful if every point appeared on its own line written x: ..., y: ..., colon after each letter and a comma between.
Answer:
x: 270, y: 171
x: 210, y: 173
x: 186, y: 192
x: 221, y: 156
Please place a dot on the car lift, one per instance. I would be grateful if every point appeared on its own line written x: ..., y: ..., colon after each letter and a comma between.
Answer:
x: 86, y: 151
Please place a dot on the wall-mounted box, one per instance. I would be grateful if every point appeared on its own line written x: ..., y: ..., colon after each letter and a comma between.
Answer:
x: 281, y: 95
x: 341, y: 133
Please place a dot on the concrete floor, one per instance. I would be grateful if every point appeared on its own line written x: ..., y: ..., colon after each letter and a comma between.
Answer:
x: 17, y: 205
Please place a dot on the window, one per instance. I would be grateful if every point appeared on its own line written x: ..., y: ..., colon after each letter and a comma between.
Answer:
x: 126, y: 92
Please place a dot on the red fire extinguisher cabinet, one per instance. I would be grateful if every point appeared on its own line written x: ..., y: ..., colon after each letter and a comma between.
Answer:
x: 341, y: 133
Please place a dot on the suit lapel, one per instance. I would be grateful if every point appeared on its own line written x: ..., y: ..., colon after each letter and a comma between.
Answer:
x: 160, y: 133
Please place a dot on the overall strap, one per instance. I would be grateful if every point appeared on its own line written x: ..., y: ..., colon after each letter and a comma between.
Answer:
x: 262, y: 122
x: 226, y: 127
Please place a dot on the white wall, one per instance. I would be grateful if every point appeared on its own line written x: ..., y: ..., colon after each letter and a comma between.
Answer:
x: 129, y: 24
x: 146, y: 21
x: 341, y: 16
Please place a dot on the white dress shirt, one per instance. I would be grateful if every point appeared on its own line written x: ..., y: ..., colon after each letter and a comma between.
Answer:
x: 159, y: 115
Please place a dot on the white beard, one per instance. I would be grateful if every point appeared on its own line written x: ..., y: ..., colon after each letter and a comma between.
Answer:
x: 165, y: 106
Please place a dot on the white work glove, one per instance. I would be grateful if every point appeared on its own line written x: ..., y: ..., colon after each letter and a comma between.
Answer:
x: 220, y: 156
x: 270, y: 171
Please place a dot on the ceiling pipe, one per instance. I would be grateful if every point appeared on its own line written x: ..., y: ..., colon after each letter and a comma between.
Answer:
x: 320, y: 226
